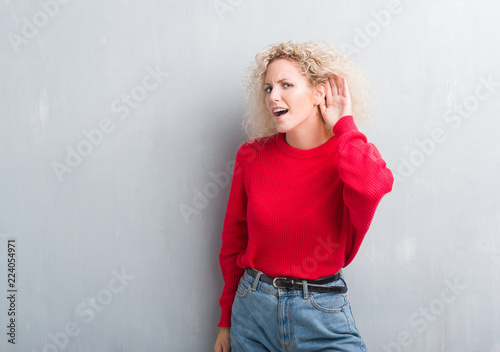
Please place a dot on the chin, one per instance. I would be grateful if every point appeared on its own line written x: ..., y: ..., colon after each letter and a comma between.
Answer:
x: 282, y: 129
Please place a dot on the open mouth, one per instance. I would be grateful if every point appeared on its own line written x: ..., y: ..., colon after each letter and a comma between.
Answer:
x: 280, y: 112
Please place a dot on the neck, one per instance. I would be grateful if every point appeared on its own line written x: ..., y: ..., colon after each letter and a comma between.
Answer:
x: 308, y: 136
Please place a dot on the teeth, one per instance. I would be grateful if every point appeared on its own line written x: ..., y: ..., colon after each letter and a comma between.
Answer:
x: 279, y: 110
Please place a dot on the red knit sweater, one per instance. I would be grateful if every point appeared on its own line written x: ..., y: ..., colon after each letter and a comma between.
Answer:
x: 299, y: 213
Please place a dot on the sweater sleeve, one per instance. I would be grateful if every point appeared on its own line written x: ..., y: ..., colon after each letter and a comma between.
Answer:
x: 365, y: 177
x: 234, y: 240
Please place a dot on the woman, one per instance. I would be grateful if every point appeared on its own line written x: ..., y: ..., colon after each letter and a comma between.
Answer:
x: 304, y: 192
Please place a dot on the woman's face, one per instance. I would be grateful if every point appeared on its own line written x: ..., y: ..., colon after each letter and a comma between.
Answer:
x: 290, y: 97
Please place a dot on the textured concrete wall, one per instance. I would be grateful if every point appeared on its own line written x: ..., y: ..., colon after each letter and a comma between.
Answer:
x: 119, y: 120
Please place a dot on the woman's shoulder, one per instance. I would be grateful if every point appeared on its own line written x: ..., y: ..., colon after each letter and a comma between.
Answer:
x: 260, y: 143
x: 254, y: 145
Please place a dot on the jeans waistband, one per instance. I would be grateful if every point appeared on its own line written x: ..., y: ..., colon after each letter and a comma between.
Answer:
x: 297, y: 283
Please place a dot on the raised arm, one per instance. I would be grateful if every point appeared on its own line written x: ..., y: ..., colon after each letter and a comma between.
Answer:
x: 366, y: 180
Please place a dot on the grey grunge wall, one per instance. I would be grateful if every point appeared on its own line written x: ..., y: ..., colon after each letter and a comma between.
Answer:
x: 119, y: 125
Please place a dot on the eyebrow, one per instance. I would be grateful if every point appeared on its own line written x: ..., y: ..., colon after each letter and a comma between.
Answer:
x: 281, y: 80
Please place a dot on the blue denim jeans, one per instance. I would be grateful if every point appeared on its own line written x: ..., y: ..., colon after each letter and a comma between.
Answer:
x: 265, y: 318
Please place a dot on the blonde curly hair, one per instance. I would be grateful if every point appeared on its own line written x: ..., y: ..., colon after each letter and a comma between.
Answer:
x: 318, y: 61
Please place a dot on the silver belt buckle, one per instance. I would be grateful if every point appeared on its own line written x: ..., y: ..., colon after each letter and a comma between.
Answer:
x: 276, y: 278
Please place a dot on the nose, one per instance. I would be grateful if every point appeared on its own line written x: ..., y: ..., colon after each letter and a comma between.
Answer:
x: 275, y: 94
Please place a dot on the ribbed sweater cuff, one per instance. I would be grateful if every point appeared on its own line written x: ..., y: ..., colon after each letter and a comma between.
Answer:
x: 225, y: 320
x: 227, y: 307
x: 344, y: 125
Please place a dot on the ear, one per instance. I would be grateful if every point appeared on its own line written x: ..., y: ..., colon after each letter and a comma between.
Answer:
x: 319, y: 93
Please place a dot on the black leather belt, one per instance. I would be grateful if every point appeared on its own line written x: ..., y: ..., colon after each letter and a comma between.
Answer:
x: 296, y: 284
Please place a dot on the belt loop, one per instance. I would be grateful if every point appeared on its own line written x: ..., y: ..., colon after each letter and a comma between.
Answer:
x: 304, y: 289
x: 256, y: 280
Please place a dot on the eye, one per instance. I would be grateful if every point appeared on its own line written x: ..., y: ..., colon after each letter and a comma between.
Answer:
x: 287, y: 85
x: 267, y: 89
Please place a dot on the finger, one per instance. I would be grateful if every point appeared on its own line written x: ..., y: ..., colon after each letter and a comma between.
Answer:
x: 328, y: 93
x: 322, y: 107
x: 334, y: 86
x: 346, y: 88
x: 340, y: 85
x: 322, y: 104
